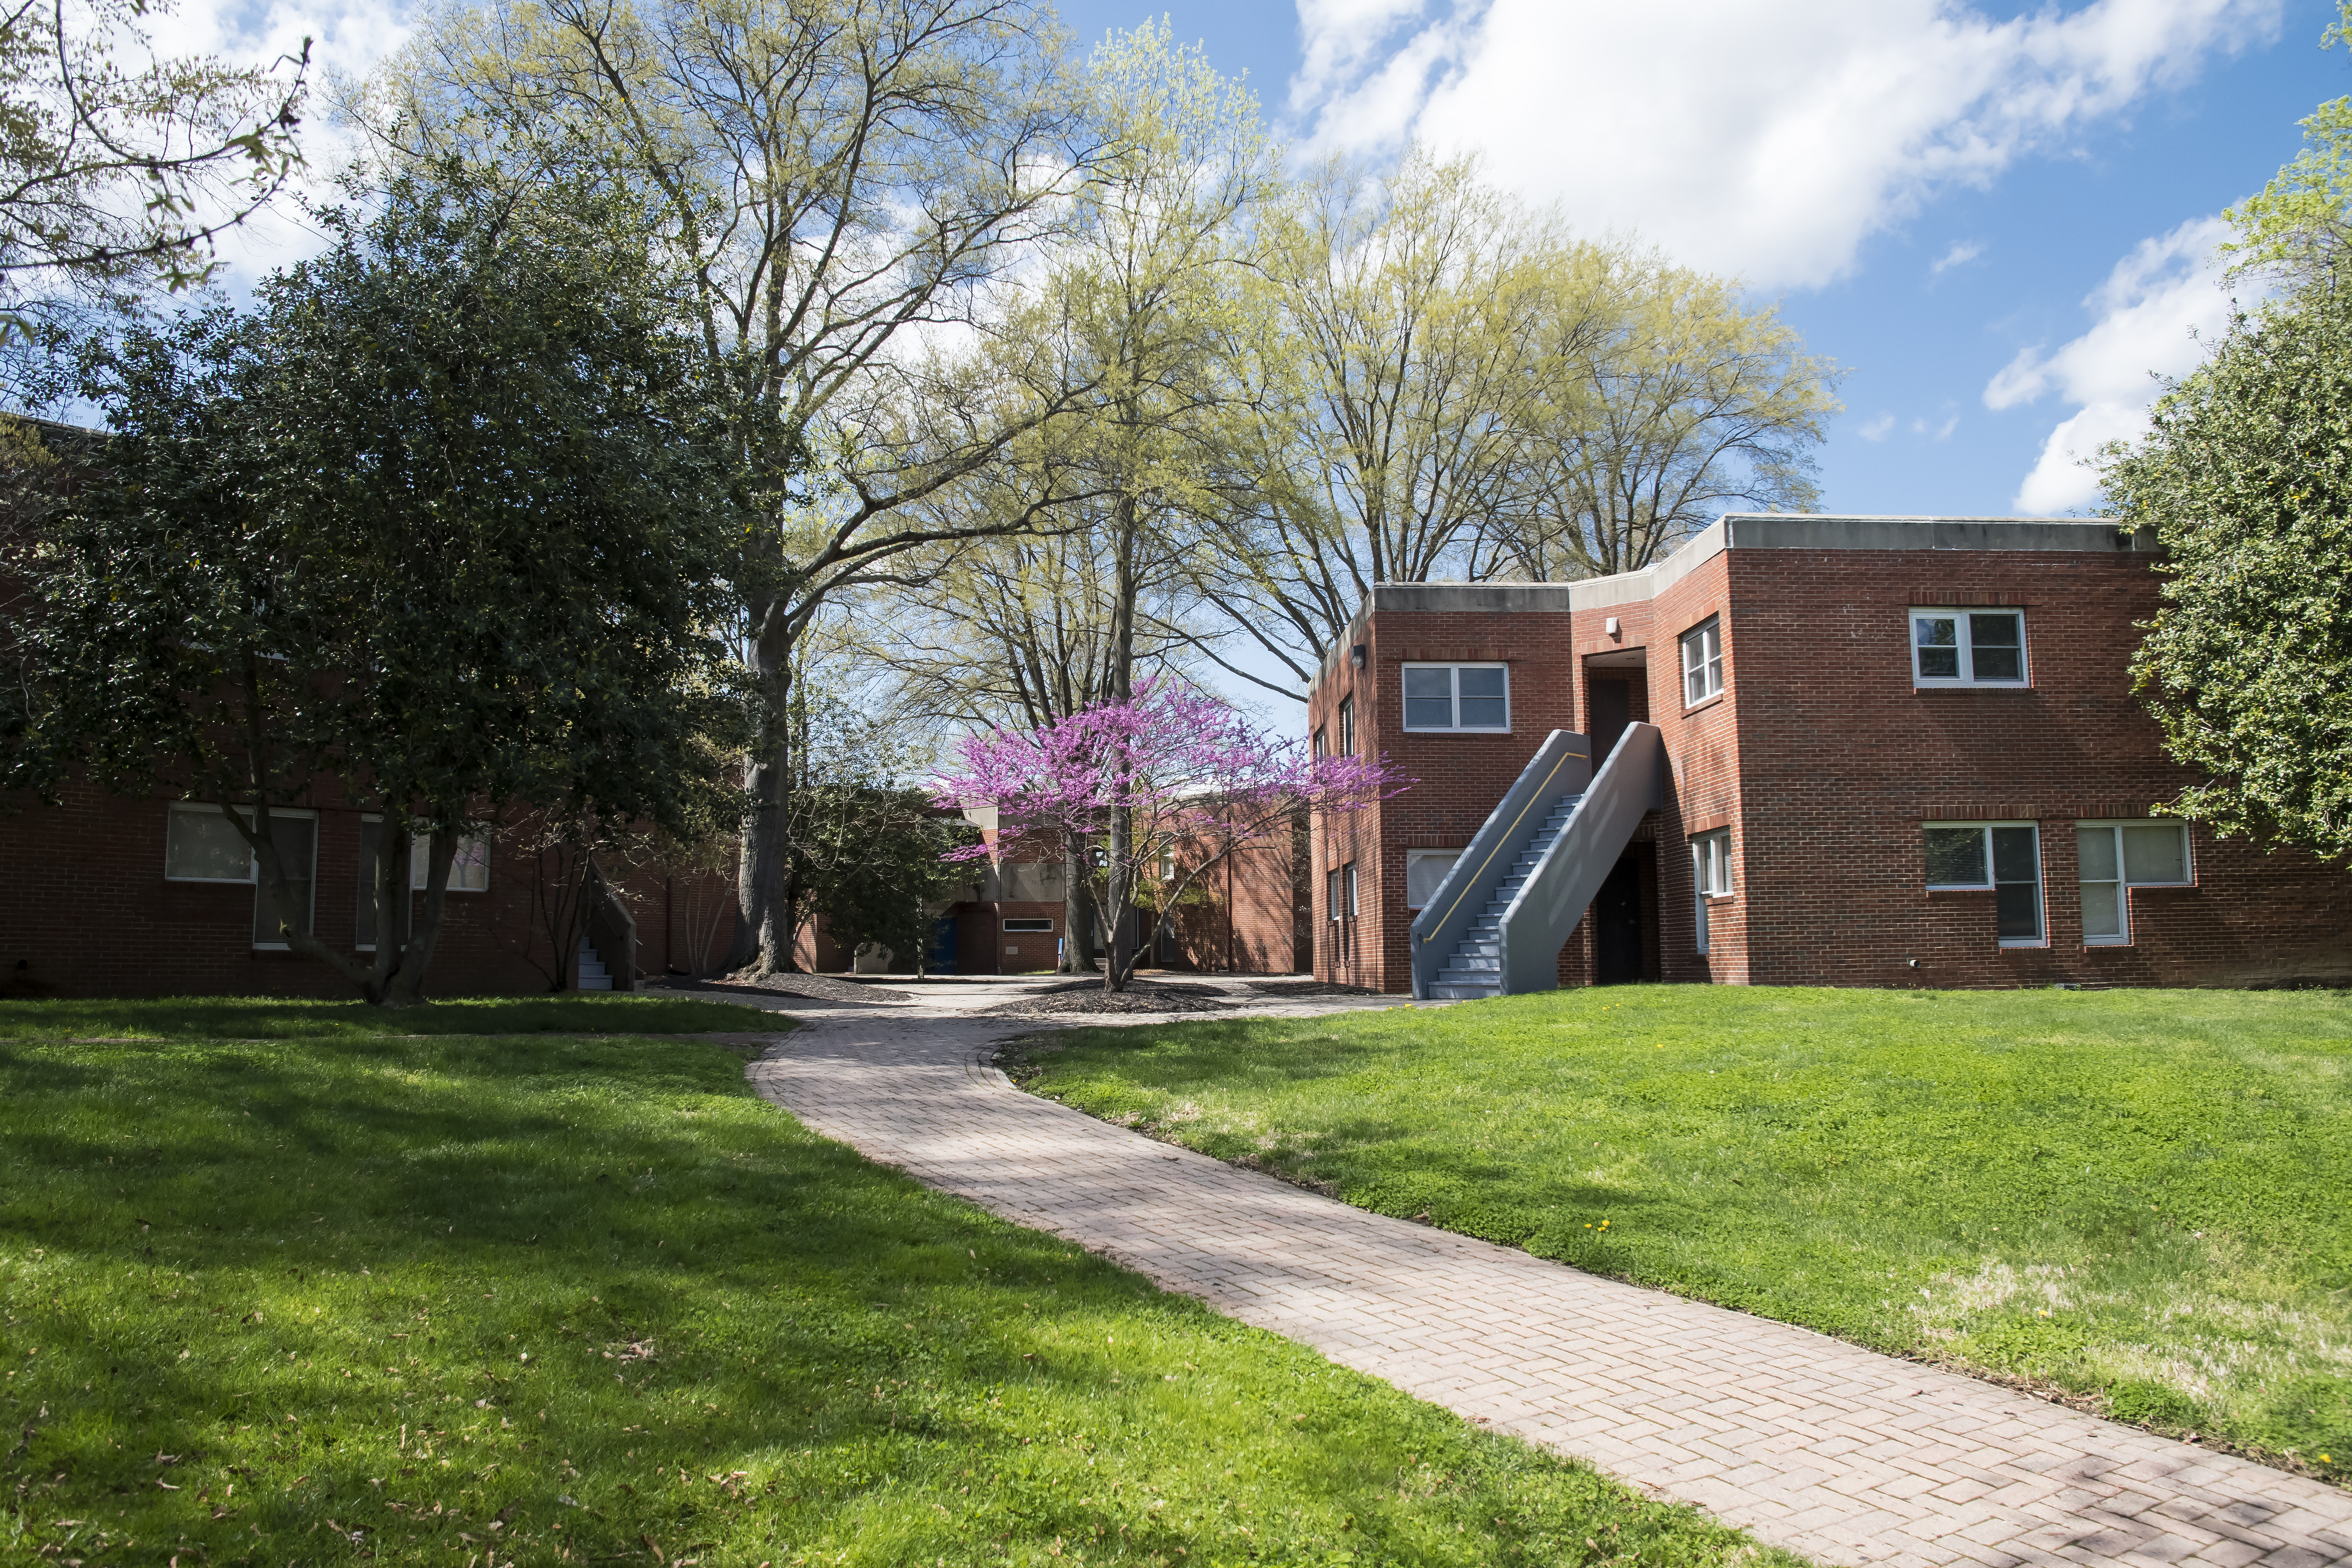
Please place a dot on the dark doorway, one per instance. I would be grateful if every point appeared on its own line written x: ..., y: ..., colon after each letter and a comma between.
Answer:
x: 1611, y: 706
x: 1617, y: 926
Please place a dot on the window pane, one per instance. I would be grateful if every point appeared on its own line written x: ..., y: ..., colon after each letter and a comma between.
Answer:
x: 2017, y: 909
x: 1994, y: 651
x: 1347, y: 883
x: 2155, y: 854
x: 1483, y: 681
x: 1956, y: 857
x: 297, y: 841
x: 1426, y: 682
x: 1993, y: 631
x: 205, y: 846
x: 1332, y: 895
x: 2101, y: 910
x: 1939, y: 638
x: 2013, y: 859
x: 1424, y: 873
x: 1483, y: 713
x: 1428, y: 713
x: 2097, y: 848
x: 471, y: 872
x: 363, y: 927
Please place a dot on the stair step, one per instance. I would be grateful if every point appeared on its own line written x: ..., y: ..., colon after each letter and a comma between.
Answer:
x: 593, y: 975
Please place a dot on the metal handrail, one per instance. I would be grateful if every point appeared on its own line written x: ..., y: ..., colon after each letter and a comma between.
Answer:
x: 1509, y: 838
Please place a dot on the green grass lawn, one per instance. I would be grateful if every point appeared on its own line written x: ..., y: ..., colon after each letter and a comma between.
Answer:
x: 279, y: 1288
x: 2141, y: 1196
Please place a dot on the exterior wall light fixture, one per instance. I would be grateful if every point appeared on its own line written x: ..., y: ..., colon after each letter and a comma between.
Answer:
x: 1356, y: 656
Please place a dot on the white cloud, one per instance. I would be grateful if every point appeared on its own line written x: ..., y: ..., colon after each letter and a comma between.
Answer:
x: 1963, y: 251
x: 1876, y: 429
x: 347, y: 39
x: 1764, y: 137
x: 2152, y: 311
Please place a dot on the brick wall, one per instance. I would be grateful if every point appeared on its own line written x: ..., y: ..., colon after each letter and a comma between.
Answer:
x: 91, y: 914
x: 1840, y: 760
x: 1822, y: 760
x: 1458, y: 777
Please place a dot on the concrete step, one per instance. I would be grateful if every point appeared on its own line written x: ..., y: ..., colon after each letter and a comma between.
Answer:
x: 1447, y: 991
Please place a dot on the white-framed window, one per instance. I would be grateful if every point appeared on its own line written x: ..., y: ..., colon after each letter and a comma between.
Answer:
x: 363, y: 923
x: 1703, y: 661
x: 1424, y: 873
x: 1168, y: 862
x: 1457, y: 697
x: 1331, y: 894
x: 469, y: 869
x: 2005, y: 856
x: 1968, y: 647
x: 2115, y: 857
x: 202, y: 844
x: 1710, y: 874
x: 1346, y: 726
x: 1021, y: 923
x: 1321, y: 750
x: 1348, y: 887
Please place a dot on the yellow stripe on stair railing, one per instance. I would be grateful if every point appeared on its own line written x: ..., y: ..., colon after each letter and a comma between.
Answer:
x: 1543, y: 793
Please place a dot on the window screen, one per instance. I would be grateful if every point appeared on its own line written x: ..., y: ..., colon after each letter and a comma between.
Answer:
x: 469, y: 869
x: 1331, y: 894
x: 2116, y: 856
x: 1702, y: 662
x: 1424, y: 873
x: 1029, y: 924
x: 1968, y: 647
x: 2005, y: 858
x: 1346, y: 726
x: 1457, y: 697
x: 202, y: 844
x: 296, y: 839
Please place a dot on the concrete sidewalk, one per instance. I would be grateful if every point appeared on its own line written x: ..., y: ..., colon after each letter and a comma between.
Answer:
x: 1838, y: 1453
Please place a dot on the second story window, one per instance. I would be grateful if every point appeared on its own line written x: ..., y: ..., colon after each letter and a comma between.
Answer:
x: 1703, y: 661
x: 1457, y: 697
x: 1321, y: 750
x: 1968, y: 647
x: 1346, y: 726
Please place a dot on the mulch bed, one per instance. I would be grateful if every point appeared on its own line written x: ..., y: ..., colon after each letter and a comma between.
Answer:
x: 1309, y: 988
x: 1140, y: 997
x: 815, y: 987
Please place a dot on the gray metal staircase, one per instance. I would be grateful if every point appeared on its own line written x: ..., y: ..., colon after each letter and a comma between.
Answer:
x: 1495, y: 925
x: 1475, y: 967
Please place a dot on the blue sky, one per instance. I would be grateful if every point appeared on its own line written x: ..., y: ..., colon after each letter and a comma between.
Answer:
x: 1999, y: 219
x: 2063, y: 166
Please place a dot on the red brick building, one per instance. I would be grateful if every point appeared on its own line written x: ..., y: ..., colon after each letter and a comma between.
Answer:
x: 1248, y: 915
x: 116, y: 896
x: 1890, y: 752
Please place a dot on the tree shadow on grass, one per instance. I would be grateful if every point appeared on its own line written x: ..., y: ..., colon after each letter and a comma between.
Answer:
x: 576, y: 1299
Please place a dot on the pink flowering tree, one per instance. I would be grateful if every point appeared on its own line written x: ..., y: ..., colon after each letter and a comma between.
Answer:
x: 1122, y: 783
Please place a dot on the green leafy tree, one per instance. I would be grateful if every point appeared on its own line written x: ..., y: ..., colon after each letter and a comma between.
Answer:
x: 887, y: 865
x: 439, y: 518
x: 116, y: 164
x: 2298, y: 226
x: 2245, y: 476
x: 833, y: 182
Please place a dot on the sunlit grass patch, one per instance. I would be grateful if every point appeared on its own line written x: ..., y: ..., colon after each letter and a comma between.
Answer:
x: 2135, y: 1195
x: 472, y: 1299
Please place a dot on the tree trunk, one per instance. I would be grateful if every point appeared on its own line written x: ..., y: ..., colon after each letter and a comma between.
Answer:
x: 1120, y: 895
x: 763, y: 928
x: 1078, y: 914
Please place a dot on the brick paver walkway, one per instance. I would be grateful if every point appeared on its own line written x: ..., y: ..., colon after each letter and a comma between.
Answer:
x: 1845, y: 1456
